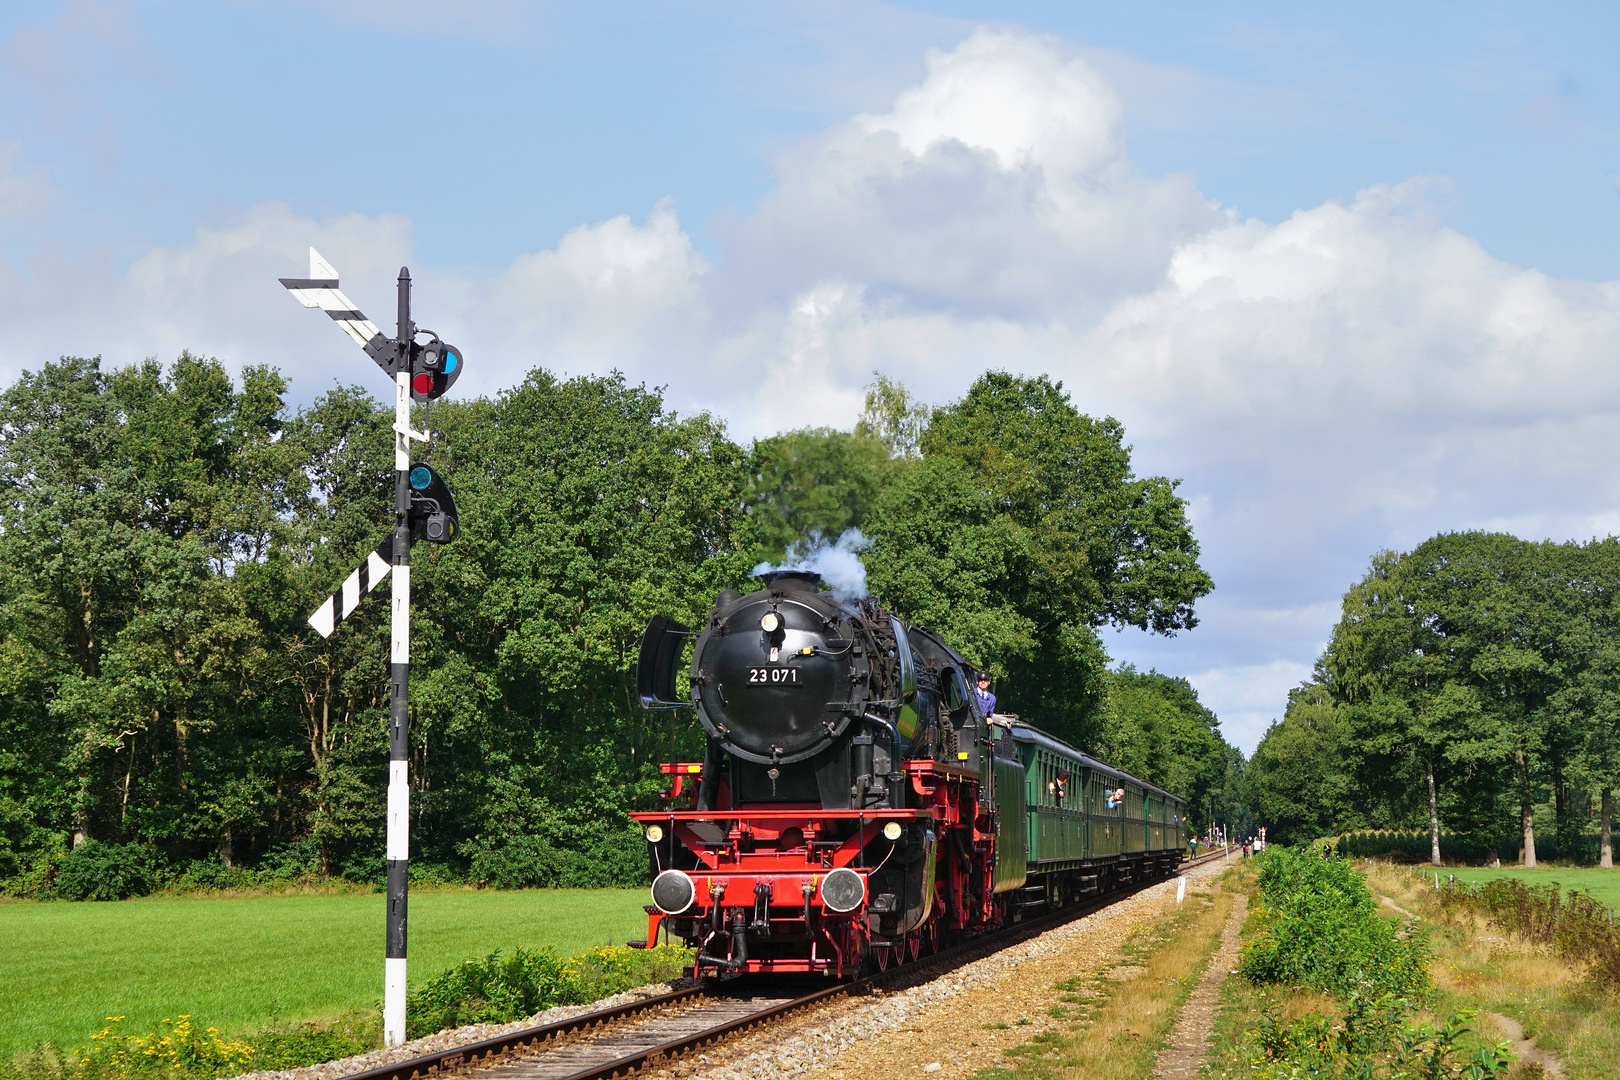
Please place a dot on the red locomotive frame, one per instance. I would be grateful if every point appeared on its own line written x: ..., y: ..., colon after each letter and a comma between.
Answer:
x: 764, y: 864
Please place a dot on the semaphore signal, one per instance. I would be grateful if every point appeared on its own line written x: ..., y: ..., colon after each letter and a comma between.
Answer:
x: 367, y: 576
x: 423, y: 510
x: 320, y: 290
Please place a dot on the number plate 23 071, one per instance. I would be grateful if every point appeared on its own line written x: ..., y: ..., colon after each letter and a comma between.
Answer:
x: 774, y: 676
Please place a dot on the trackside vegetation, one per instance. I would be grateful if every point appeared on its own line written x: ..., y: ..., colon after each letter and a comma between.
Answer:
x: 497, y: 989
x: 1314, y: 925
x: 1576, y: 926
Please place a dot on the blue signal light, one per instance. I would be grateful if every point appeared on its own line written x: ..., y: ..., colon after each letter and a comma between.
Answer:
x: 451, y: 360
x: 421, y: 477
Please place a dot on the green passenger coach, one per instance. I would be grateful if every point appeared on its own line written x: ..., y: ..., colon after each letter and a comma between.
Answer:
x: 1088, y: 827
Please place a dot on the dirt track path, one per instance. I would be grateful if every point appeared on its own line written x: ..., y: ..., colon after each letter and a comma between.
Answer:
x: 1526, y: 1049
x: 1189, y: 1039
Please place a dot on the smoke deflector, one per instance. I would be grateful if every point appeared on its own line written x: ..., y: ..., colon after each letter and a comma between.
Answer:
x: 660, y: 657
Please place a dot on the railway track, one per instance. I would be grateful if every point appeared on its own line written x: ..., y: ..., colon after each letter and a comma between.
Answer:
x: 624, y: 1039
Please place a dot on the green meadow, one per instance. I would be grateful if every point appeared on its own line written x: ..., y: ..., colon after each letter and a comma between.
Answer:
x: 241, y: 963
x: 1604, y: 885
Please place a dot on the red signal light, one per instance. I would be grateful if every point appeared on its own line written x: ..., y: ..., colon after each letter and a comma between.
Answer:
x: 422, y: 383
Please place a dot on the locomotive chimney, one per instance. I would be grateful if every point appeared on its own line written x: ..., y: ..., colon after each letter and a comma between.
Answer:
x: 791, y: 580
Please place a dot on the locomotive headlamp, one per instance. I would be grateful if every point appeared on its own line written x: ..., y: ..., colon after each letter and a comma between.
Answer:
x: 655, y: 833
x: 770, y: 621
x: 891, y: 831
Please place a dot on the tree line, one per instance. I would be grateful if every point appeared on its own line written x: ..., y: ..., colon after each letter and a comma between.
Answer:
x: 167, y: 531
x: 1472, y: 687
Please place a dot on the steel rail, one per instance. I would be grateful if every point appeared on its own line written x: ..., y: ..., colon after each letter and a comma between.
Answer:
x: 484, y: 1052
x: 469, y: 1054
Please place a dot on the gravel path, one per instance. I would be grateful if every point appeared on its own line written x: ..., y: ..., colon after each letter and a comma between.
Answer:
x: 940, y: 1028
x: 1189, y: 1041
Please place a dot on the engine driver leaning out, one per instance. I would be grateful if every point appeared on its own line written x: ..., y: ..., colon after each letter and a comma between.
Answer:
x: 987, y: 700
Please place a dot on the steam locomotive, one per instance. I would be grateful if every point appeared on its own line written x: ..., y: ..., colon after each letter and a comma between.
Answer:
x: 854, y: 808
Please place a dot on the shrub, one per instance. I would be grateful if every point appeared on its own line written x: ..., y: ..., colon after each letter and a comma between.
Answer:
x: 1577, y: 926
x: 305, y: 1044
x: 500, y: 989
x: 430, y: 873
x: 296, y: 860
x: 208, y: 874
x: 1319, y: 927
x: 608, y: 857
x: 173, y: 1049
x: 1413, y: 845
x: 97, y: 871
x: 35, y: 868
x: 1375, y: 1038
x: 365, y: 866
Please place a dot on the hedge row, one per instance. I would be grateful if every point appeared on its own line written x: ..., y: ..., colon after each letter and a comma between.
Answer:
x: 101, y: 871
x: 1458, y: 848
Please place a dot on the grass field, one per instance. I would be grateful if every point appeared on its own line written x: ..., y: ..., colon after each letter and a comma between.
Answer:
x: 1604, y: 885
x: 235, y: 963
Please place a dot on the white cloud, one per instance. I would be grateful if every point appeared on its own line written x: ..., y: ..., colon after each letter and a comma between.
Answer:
x: 1015, y: 97
x: 1248, y: 698
x: 614, y: 294
x: 999, y: 186
x: 1358, y: 312
x: 1356, y: 376
x: 217, y: 296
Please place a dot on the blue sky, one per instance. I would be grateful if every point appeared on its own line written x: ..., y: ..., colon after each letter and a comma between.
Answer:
x: 533, y: 118
x: 1342, y: 271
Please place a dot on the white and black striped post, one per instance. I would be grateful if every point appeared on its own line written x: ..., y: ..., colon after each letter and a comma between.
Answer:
x: 398, y: 847
x: 440, y: 367
x: 356, y: 587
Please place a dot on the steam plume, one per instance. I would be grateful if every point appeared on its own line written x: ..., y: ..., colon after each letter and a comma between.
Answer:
x: 838, y: 563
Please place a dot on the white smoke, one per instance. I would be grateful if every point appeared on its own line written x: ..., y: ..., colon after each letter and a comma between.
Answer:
x: 838, y: 563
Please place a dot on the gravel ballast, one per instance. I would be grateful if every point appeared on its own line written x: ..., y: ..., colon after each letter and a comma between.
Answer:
x: 938, y: 1028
